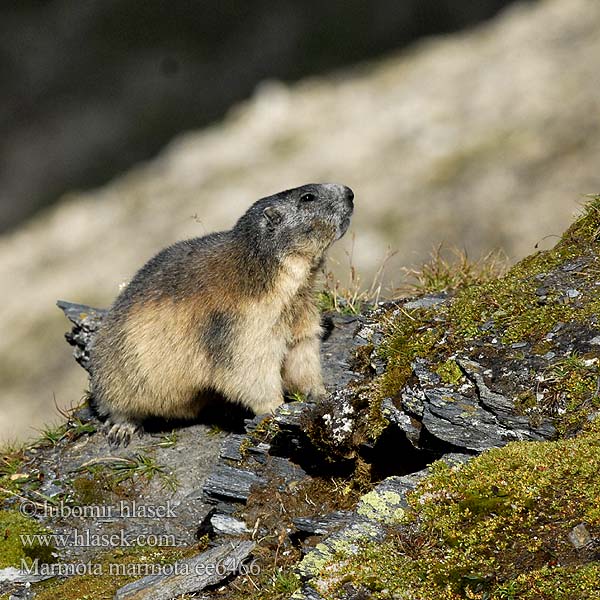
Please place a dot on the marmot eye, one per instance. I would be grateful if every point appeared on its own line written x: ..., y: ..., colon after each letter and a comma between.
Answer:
x: 307, y: 197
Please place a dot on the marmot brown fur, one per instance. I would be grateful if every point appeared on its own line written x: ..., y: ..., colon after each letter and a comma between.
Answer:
x: 231, y: 312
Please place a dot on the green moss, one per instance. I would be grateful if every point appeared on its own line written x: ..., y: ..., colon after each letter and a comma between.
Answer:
x: 570, y: 392
x: 495, y: 528
x: 525, y: 402
x: 511, y: 306
x: 109, y: 572
x: 99, y: 486
x: 567, y: 392
x: 510, y: 303
x: 410, y: 335
x: 13, y: 548
x: 377, y: 422
x: 361, y: 480
x: 555, y: 583
x: 450, y: 372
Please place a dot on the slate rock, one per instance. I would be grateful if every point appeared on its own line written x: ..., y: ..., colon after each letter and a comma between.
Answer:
x: 191, y: 575
x: 86, y: 321
x: 229, y: 483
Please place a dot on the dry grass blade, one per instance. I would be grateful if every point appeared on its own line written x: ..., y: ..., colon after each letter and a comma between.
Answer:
x: 351, y: 296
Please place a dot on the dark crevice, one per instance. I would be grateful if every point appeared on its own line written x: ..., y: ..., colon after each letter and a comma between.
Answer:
x: 393, y: 454
x: 299, y: 449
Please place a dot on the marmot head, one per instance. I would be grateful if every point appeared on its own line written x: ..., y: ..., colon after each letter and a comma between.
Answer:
x: 304, y: 220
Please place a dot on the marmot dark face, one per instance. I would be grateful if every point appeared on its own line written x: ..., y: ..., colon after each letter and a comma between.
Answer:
x: 304, y: 220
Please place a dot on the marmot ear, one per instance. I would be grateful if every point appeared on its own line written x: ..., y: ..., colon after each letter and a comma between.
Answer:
x: 272, y: 215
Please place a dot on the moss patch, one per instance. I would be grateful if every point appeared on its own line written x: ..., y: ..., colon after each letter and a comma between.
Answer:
x: 494, y: 528
x: 13, y: 548
x: 449, y: 372
x: 514, y: 306
x: 570, y: 392
x: 411, y: 334
x: 111, y: 571
x: 98, y: 487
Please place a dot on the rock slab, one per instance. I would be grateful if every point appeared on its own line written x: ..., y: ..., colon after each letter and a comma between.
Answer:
x: 191, y: 575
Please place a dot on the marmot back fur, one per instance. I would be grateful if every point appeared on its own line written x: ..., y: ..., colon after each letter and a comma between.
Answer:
x: 231, y: 312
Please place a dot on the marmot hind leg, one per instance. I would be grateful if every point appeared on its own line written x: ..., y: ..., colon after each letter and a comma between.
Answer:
x: 301, y: 370
x: 260, y: 389
x: 262, y: 399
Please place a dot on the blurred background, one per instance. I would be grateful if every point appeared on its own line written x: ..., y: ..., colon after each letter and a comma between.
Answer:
x: 125, y: 126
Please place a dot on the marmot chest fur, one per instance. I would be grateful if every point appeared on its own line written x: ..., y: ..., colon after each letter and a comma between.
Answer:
x: 232, y: 313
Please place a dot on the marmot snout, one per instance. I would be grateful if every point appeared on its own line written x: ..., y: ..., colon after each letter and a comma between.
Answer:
x: 231, y: 312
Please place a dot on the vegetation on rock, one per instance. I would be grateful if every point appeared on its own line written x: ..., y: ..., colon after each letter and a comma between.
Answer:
x: 500, y: 526
x: 522, y: 307
x: 495, y: 528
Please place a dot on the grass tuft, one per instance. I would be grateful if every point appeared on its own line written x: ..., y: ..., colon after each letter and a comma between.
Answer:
x: 452, y: 269
x: 352, y: 297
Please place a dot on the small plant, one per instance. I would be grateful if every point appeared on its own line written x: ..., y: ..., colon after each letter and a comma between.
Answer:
x: 215, y: 430
x: 451, y: 270
x: 168, y: 440
x: 11, y: 459
x: 52, y: 435
x: 143, y: 466
x: 76, y: 428
x: 285, y: 582
x: 450, y: 372
x: 10, y: 464
x: 71, y: 430
x: 140, y: 466
x: 508, y: 591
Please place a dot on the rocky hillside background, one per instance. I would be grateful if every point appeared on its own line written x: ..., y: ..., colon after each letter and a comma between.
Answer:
x: 486, y: 139
x: 91, y: 88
